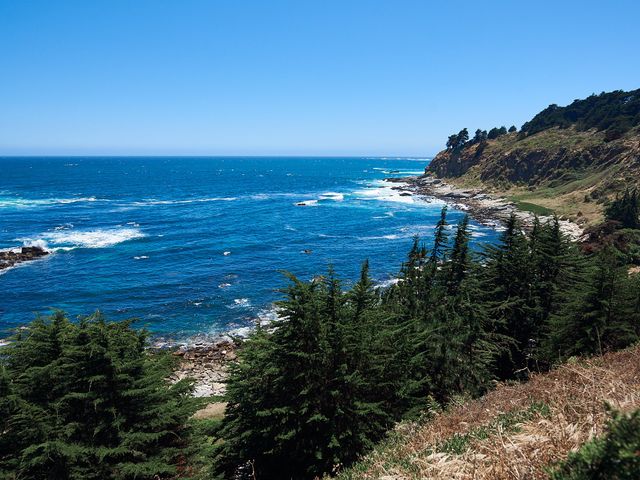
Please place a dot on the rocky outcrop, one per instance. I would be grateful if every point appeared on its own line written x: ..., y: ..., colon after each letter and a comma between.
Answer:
x: 10, y: 258
x: 550, y: 157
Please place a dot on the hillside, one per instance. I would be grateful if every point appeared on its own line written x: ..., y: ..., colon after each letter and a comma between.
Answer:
x: 571, y: 159
x: 514, y: 432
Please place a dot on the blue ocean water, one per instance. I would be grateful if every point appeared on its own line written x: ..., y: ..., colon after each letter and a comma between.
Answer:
x: 196, y: 245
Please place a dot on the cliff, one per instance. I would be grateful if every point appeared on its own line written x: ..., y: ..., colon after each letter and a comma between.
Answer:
x: 571, y: 160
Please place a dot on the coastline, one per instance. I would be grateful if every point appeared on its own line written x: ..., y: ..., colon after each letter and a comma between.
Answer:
x: 488, y: 209
x: 206, y: 359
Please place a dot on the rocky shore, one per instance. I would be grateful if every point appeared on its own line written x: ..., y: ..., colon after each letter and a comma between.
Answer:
x: 483, y: 207
x: 11, y: 258
x: 207, y: 363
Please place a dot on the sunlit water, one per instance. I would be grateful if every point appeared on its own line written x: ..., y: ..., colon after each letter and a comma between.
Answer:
x: 196, y: 245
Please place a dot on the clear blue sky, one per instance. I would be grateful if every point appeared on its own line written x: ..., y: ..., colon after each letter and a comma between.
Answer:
x: 296, y: 77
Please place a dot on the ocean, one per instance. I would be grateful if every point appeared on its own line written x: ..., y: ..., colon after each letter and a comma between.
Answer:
x: 197, y: 245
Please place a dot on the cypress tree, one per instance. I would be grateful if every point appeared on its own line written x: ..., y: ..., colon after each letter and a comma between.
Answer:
x: 102, y: 408
x: 507, y: 286
x: 594, y: 318
x: 298, y: 404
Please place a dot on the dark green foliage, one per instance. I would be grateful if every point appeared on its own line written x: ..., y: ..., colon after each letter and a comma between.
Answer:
x: 305, y: 397
x: 86, y: 401
x: 496, y: 132
x: 625, y: 209
x: 616, y: 112
x: 315, y: 390
x: 457, y: 141
x: 595, y: 317
x: 480, y: 136
x: 512, y: 129
x: 614, y: 456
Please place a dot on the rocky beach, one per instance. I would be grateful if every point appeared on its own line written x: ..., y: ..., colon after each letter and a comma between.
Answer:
x: 483, y: 207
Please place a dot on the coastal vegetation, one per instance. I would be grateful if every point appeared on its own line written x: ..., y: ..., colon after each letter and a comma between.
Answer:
x: 571, y: 160
x: 86, y: 400
x: 423, y: 378
x: 328, y: 382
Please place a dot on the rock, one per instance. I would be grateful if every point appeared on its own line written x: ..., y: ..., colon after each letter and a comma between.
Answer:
x: 10, y: 258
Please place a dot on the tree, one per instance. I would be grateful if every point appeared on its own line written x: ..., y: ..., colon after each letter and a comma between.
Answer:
x: 480, y: 136
x: 625, y: 209
x: 506, y: 282
x: 459, y: 140
x: 512, y: 129
x: 452, y: 142
x: 87, y: 401
x: 463, y: 137
x: 298, y: 405
x: 594, y: 317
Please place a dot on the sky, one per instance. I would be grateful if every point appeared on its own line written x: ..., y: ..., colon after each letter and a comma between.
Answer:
x: 297, y: 77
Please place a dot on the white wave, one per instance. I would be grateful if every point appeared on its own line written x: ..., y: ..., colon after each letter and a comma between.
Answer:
x: 382, y: 191
x: 240, y: 303
x: 36, y: 243
x: 391, y: 236
x: 226, y: 254
x: 224, y: 285
x: 18, y: 202
x: 271, y: 196
x: 69, y: 239
x: 387, y: 283
x: 242, y: 332
x: 66, y: 226
x: 141, y: 257
x: 153, y: 201
x: 338, y: 197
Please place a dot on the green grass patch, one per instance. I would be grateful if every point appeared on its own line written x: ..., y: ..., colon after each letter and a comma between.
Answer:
x: 533, y: 208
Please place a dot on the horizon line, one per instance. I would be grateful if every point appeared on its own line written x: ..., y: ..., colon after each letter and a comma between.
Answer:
x: 207, y: 156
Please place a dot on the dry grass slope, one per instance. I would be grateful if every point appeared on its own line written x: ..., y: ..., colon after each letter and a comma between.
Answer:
x: 514, y: 432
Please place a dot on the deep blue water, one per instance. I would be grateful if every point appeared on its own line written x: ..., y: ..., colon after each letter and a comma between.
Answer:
x: 146, y: 237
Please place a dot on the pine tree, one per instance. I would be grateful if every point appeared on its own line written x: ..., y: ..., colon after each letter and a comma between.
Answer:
x: 102, y: 408
x: 507, y: 286
x: 594, y: 318
x: 298, y: 404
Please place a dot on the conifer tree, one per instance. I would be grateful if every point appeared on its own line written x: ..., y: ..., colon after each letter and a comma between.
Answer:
x: 507, y: 287
x: 298, y: 407
x: 594, y: 318
x: 90, y: 402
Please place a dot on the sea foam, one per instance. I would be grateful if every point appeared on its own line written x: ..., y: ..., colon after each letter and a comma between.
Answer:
x: 18, y: 202
x: 64, y: 240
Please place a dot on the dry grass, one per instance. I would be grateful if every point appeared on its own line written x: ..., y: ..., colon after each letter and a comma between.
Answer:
x: 213, y: 410
x: 574, y: 398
